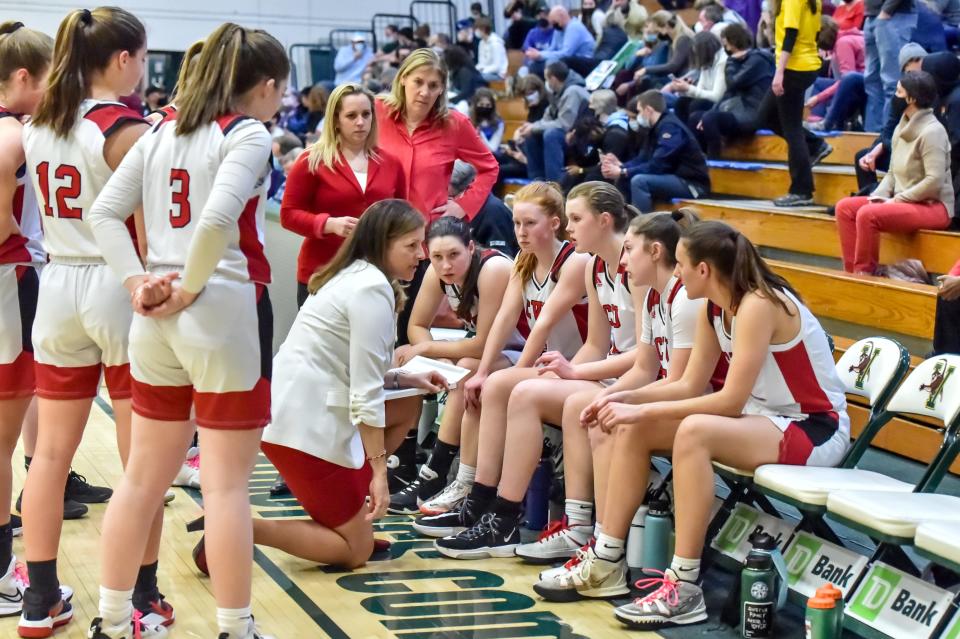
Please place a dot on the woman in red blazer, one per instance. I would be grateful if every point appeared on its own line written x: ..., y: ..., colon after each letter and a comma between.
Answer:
x: 336, y: 179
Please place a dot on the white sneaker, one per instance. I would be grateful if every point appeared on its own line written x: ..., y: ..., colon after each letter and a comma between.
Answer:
x: 448, y: 499
x: 558, y: 541
x: 551, y: 573
x: 189, y: 475
x: 591, y: 578
x: 169, y: 496
x: 136, y: 629
x: 12, y: 585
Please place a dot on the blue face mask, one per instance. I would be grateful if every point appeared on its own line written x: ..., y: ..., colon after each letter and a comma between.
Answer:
x: 642, y: 121
x: 650, y: 38
x: 634, y: 126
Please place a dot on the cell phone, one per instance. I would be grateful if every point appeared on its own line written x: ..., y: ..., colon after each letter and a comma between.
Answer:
x: 512, y: 145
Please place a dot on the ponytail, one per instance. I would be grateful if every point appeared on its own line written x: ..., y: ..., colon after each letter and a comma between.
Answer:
x: 187, y: 65
x: 665, y: 228
x: 737, y: 261
x: 549, y: 198
x: 86, y: 41
x: 233, y: 60
x: 603, y: 197
x: 23, y: 48
x: 455, y: 227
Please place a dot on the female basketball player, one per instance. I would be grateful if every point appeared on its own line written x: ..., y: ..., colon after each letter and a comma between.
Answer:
x: 547, y: 288
x: 782, y: 402
x: 24, y: 62
x: 76, y: 139
x: 208, y: 342
x: 473, y: 282
x: 598, y: 219
x: 340, y: 348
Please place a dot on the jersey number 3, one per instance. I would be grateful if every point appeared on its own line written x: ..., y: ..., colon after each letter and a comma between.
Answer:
x: 68, y: 190
x: 180, y: 185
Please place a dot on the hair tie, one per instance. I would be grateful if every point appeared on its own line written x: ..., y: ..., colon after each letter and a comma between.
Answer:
x: 14, y: 27
x: 86, y: 17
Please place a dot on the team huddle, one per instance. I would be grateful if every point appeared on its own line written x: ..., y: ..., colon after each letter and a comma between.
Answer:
x: 131, y: 249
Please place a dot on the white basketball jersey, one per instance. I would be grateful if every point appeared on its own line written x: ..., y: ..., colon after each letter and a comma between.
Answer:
x: 25, y: 247
x: 68, y: 174
x: 798, y: 378
x: 180, y: 172
x: 617, y: 303
x: 669, y: 321
x: 454, y: 295
x: 567, y: 335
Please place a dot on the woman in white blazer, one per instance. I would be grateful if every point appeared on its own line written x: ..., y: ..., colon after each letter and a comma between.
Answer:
x: 332, y: 429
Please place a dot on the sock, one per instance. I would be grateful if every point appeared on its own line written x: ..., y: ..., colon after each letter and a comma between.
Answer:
x: 146, y: 590
x: 234, y: 621
x: 609, y: 548
x: 26, y: 462
x: 685, y: 569
x: 407, y: 453
x: 579, y: 513
x: 116, y: 609
x: 44, y: 587
x: 466, y: 474
x: 482, y: 494
x: 6, y: 545
x: 507, y: 509
x: 597, y: 529
x: 442, y: 458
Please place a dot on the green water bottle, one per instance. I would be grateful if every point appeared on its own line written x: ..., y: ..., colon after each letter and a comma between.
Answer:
x: 829, y: 591
x: 658, y: 527
x: 820, y: 622
x: 758, y: 595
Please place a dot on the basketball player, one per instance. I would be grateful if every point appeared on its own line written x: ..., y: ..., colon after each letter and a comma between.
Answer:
x: 208, y: 342
x: 78, y: 136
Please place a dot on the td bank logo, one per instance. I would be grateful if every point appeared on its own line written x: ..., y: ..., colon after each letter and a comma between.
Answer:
x: 875, y: 593
x: 741, y: 523
x: 801, y: 553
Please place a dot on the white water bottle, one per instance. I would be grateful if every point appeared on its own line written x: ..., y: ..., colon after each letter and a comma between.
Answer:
x: 635, y: 539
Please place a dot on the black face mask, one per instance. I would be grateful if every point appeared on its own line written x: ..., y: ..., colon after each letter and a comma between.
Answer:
x: 897, y: 107
x: 556, y: 26
x: 543, y: 23
x: 664, y: 36
x: 484, y: 111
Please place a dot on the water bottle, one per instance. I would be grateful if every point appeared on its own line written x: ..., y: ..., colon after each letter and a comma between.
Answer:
x: 757, y: 595
x: 829, y: 591
x: 819, y: 621
x: 536, y: 503
x: 657, y: 530
x: 635, y: 539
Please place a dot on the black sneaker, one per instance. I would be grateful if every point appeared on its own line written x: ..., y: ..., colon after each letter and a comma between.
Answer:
x: 453, y: 522
x: 425, y: 486
x: 16, y: 523
x: 279, y: 488
x: 79, y: 490
x: 821, y: 155
x: 492, y: 536
x: 399, y: 476
x: 71, y: 509
x: 792, y: 199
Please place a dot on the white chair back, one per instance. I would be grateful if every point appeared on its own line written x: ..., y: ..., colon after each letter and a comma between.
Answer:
x: 932, y: 389
x: 870, y: 366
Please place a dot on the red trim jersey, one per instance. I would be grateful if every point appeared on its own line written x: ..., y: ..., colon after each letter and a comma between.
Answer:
x: 798, y: 378
x: 669, y: 321
x: 69, y: 173
x: 568, y: 335
x: 617, y: 302
x: 25, y: 247
x: 454, y: 294
x: 184, y: 170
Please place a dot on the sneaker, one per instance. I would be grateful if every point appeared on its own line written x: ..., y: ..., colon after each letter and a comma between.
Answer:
x: 674, y: 603
x: 252, y: 633
x: 453, y: 522
x: 157, y: 613
x: 792, y: 199
x: 71, y: 509
x: 189, y: 474
x: 821, y: 155
x: 558, y: 541
x: 42, y: 624
x: 589, y: 578
x: 12, y: 586
x: 448, y: 499
x: 279, y: 488
x: 169, y: 496
x: 399, y: 476
x: 16, y: 524
x: 407, y: 502
x: 492, y: 536
x: 569, y: 565
x: 138, y: 629
x: 79, y: 490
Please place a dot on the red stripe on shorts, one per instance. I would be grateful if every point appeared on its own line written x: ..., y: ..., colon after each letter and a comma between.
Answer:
x: 238, y: 410
x: 62, y: 382
x: 163, y: 403
x: 118, y: 381
x: 17, y: 378
x: 796, y: 446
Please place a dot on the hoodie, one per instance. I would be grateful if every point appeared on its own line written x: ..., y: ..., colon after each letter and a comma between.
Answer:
x: 748, y: 80
x: 565, y: 105
x: 848, y: 56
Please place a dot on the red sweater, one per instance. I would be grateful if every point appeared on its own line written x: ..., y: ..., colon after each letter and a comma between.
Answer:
x: 311, y: 198
x: 428, y: 155
x: 849, y: 15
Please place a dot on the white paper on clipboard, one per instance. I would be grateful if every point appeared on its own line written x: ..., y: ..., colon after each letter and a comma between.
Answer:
x: 453, y: 375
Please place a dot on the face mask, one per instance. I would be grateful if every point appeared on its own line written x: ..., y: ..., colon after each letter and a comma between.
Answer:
x: 634, y: 126
x: 650, y: 38
x: 643, y: 121
x: 586, y: 13
x: 556, y: 26
x: 533, y: 99
x: 438, y: 51
x: 484, y: 111
x: 898, y: 106
x: 728, y: 52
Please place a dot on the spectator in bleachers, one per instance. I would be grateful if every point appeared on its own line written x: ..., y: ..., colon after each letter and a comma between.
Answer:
x: 945, y: 69
x: 316, y: 109
x: 602, y: 129
x: 570, y: 38
x: 439, y: 42
x: 917, y: 191
x: 611, y: 39
x: 888, y: 28
x: 711, y: 19
x: 849, y: 14
x: 295, y: 120
x: 671, y: 165
x: 946, y: 326
x: 709, y: 62
x: 154, y: 98
x: 492, y: 54
x: 746, y: 12
x: 949, y: 12
x: 748, y: 73
x: 390, y: 43
x: 493, y: 225
x: 798, y: 63
x: 543, y: 140
x: 655, y: 50
x: 523, y: 16
x: 680, y: 36
x: 634, y: 15
x: 845, y: 53
x: 465, y: 79
x: 351, y: 60
x: 592, y: 18
x: 483, y: 114
x: 476, y: 11
x: 534, y: 93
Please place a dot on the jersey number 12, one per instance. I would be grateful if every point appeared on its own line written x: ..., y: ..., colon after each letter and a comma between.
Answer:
x: 68, y: 190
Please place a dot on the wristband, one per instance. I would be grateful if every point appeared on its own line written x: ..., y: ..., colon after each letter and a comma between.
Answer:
x: 382, y: 454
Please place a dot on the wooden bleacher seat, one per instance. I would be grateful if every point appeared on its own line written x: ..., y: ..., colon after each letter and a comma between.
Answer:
x: 514, y: 60
x: 769, y: 180
x: 514, y: 109
x: 767, y: 147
